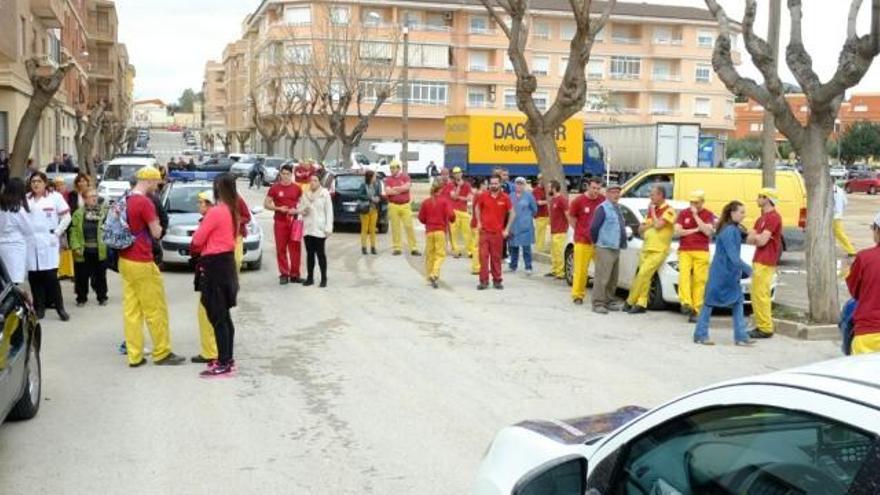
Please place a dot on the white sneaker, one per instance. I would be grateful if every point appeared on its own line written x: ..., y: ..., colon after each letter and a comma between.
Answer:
x: 528, y: 273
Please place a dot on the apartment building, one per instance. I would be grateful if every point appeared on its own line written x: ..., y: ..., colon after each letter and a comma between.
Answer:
x: 214, y: 91
x: 110, y: 72
x: 860, y: 107
x: 650, y: 64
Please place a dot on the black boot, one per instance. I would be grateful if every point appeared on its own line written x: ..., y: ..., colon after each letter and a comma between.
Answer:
x: 62, y: 314
x: 309, y: 281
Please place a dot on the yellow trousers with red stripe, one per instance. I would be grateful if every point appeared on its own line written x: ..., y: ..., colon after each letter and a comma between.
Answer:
x: 866, y: 343
x: 583, y: 254
x: 435, y: 253
x: 206, y: 330
x: 542, y: 225
x: 649, y: 263
x: 762, y: 303
x: 461, y: 228
x: 557, y: 255
x: 143, y: 299
x: 693, y: 273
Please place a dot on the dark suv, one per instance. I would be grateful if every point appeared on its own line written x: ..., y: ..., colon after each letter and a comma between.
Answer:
x: 20, y: 334
x: 344, y: 187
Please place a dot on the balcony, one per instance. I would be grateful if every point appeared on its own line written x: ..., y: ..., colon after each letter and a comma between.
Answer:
x: 669, y: 112
x: 666, y: 77
x: 624, y: 76
x: 626, y: 40
x: 101, y: 70
x: 50, y: 12
x: 102, y: 32
x: 483, y: 68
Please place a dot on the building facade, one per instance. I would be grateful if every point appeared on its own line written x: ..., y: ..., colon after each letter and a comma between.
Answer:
x: 650, y: 64
x: 860, y: 107
x: 214, y: 91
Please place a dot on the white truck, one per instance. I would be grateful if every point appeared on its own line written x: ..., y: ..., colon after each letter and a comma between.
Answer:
x: 632, y: 148
x: 421, y: 154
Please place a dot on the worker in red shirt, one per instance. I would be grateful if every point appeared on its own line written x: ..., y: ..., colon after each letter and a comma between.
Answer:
x: 542, y: 217
x: 283, y: 199
x: 558, y: 230
x: 767, y: 237
x: 397, y: 188
x: 479, y: 188
x: 864, y: 286
x: 491, y: 208
x: 244, y: 218
x: 303, y: 173
x: 580, y: 217
x: 694, y: 227
x: 460, y: 194
x: 436, y: 214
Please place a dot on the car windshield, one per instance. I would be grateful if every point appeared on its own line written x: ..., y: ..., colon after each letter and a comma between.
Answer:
x: 184, y: 199
x: 121, y: 171
x: 273, y: 163
x: 349, y: 182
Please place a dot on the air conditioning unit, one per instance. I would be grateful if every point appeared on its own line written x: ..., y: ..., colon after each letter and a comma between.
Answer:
x: 492, y: 93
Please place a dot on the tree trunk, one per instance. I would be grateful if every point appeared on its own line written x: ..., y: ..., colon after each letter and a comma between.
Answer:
x: 292, y: 149
x: 269, y: 142
x: 544, y: 144
x: 347, y: 149
x: 821, y: 259
x: 324, y: 149
x: 242, y: 138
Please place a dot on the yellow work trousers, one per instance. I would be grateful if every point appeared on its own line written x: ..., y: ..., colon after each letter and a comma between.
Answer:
x: 400, y: 217
x: 866, y: 343
x: 583, y: 254
x: 435, y: 253
x: 475, y: 261
x: 762, y: 305
x: 693, y: 272
x: 542, y: 225
x: 143, y: 299
x: 842, y: 238
x: 557, y: 255
x: 369, y: 223
x: 649, y: 263
x: 206, y: 330
x: 239, y: 252
x: 65, y: 264
x: 461, y: 228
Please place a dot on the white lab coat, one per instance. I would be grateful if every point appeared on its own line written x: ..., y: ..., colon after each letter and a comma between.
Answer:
x: 50, y: 217
x: 840, y: 202
x: 317, y: 210
x: 16, y: 235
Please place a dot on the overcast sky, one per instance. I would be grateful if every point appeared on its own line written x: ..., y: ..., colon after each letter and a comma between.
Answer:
x: 170, y: 40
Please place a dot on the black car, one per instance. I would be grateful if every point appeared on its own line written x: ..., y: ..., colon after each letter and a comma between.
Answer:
x: 344, y: 189
x: 20, y: 336
x: 221, y: 164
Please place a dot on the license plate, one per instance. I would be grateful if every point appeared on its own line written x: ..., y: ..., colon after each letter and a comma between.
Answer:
x: 350, y: 208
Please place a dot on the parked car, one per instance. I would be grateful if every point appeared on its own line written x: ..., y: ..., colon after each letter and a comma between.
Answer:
x: 809, y: 430
x: 867, y: 182
x: 243, y: 167
x: 180, y: 200
x: 664, y: 288
x: 221, y: 164
x: 344, y: 189
x: 20, y: 336
x: 271, y: 166
x: 838, y: 173
x: 118, y: 175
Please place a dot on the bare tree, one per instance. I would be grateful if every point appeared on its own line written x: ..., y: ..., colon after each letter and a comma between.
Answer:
x: 267, y: 113
x: 321, y: 145
x: 45, y: 80
x: 808, y: 140
x: 242, y: 137
x: 225, y: 139
x: 542, y: 128
x: 84, y: 137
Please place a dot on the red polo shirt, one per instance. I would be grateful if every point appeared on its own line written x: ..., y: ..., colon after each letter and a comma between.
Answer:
x: 244, y: 216
x: 768, y: 254
x: 558, y: 219
x: 582, y: 209
x: 284, y: 196
x: 462, y: 191
x: 436, y: 214
x: 540, y: 195
x: 697, y: 241
x: 864, y: 284
x: 397, y: 181
x: 140, y: 211
x: 303, y: 173
x: 493, y: 211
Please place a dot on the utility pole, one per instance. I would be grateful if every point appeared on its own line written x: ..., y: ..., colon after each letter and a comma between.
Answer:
x: 768, y: 155
x: 404, y: 153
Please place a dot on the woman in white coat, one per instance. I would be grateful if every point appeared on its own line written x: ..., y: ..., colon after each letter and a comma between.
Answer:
x: 16, y: 233
x: 50, y: 217
x: 317, y: 210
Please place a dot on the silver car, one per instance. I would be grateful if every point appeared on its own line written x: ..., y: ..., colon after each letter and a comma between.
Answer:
x: 271, y: 166
x: 181, y: 201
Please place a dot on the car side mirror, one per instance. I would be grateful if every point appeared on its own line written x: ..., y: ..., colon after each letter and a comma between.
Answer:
x: 629, y: 233
x: 563, y: 476
x: 256, y: 210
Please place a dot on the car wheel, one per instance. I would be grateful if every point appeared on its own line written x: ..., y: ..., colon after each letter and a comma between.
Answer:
x: 29, y: 402
x: 569, y: 266
x: 872, y: 190
x: 655, y: 296
x: 255, y: 266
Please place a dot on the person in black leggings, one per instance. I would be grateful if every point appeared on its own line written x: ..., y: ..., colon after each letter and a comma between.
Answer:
x: 316, y: 207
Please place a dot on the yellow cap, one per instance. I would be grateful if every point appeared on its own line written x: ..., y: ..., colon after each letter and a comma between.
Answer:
x: 149, y: 173
x: 206, y: 196
x: 769, y: 193
x: 456, y: 170
x: 697, y: 196
x: 395, y: 164
x: 58, y: 179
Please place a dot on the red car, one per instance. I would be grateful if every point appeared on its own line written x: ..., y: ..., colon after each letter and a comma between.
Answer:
x: 868, y: 182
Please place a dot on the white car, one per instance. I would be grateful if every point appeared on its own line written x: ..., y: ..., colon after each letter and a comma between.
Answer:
x: 118, y: 175
x: 180, y: 200
x: 810, y: 430
x: 664, y: 288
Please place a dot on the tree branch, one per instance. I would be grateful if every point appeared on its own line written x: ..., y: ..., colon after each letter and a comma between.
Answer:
x: 854, y: 8
x: 796, y: 57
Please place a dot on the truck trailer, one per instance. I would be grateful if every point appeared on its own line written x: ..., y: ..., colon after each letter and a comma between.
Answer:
x: 633, y: 148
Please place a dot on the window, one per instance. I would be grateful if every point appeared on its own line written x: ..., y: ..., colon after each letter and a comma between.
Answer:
x: 436, y: 20
x: 376, y: 50
x: 340, y: 15
x: 702, y: 107
x: 596, y: 68
x: 703, y: 73
x: 434, y: 56
x: 705, y: 39
x: 412, y: 18
x: 663, y: 104
x: 477, y: 97
x: 567, y: 30
x: 372, y: 17
x: 479, y: 61
x: 541, y: 65
x: 338, y: 53
x: 662, y: 35
x: 756, y: 127
x: 595, y: 102
x: 427, y: 93
x: 600, y: 36
x: 541, y: 99
x: 508, y: 65
x: 860, y: 108
x: 563, y: 64
x: 541, y: 29
x: 22, y: 45
x: 662, y: 70
x: 626, y: 67
x: 629, y: 34
x: 728, y: 109
x: 298, y: 15
x: 745, y: 449
x: 299, y: 54
x: 643, y: 190
x: 510, y: 99
x: 372, y: 89
x: 479, y: 24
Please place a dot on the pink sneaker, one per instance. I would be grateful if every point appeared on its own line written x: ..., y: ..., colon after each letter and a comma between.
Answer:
x: 218, y: 371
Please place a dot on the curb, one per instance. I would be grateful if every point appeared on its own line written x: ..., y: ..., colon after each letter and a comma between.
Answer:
x: 805, y: 331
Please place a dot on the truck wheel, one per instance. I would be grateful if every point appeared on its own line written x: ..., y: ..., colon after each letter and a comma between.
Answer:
x: 29, y: 403
x: 569, y: 266
x: 655, y: 296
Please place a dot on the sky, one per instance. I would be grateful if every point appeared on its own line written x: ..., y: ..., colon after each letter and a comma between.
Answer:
x: 169, y: 41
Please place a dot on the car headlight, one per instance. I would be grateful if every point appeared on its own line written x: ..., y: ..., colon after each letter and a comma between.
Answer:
x: 177, y: 231
x: 673, y: 265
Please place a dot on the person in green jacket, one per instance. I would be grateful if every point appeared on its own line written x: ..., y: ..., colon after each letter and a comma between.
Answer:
x: 369, y: 203
x: 89, y: 251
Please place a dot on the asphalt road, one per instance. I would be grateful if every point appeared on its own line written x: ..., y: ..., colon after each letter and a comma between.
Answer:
x: 376, y: 384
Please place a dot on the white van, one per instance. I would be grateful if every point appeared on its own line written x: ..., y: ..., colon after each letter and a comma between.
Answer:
x: 421, y: 154
x: 119, y: 174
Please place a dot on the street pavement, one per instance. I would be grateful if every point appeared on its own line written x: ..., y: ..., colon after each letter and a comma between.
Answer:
x: 376, y: 384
